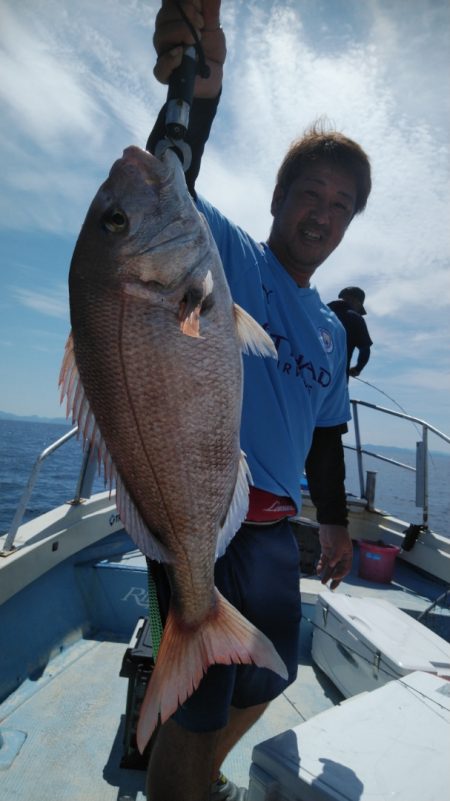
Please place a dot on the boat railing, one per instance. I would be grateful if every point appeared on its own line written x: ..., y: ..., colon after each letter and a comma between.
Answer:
x: 83, y: 488
x: 367, y: 486
x: 89, y: 468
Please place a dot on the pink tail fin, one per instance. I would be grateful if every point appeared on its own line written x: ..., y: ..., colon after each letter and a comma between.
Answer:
x: 185, y: 655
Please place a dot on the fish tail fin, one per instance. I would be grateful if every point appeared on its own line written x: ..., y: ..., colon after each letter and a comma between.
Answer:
x: 226, y: 637
x: 252, y: 336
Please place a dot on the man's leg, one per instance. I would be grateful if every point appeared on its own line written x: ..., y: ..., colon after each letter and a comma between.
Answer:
x: 239, y: 722
x: 181, y: 764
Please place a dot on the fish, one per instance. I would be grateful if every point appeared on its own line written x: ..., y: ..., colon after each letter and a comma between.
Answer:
x: 152, y: 374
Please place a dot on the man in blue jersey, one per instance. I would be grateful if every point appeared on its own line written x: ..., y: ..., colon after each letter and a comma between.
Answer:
x: 294, y: 412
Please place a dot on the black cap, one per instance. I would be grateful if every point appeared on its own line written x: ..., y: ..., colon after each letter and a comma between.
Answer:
x: 354, y: 292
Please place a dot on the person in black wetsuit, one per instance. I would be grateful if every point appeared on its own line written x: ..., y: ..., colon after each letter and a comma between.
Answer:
x: 349, y: 309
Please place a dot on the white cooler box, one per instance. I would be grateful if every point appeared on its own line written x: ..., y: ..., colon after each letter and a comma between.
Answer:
x: 361, y: 643
x: 392, y: 743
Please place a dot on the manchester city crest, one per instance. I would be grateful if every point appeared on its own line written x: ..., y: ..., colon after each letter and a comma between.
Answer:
x: 326, y: 340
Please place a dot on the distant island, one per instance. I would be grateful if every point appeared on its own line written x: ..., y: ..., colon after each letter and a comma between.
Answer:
x: 34, y: 418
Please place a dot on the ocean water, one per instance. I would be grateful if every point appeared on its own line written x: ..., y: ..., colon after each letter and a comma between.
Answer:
x: 21, y: 443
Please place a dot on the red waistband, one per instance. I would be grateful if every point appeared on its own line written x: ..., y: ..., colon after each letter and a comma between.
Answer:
x: 265, y: 507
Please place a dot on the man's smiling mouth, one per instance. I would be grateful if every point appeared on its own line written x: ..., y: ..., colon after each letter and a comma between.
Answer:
x: 310, y: 235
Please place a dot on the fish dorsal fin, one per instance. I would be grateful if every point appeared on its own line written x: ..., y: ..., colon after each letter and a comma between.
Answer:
x: 238, y: 508
x: 78, y: 407
x: 253, y: 338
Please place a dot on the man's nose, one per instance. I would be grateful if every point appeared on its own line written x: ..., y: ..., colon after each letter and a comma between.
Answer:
x: 321, y: 213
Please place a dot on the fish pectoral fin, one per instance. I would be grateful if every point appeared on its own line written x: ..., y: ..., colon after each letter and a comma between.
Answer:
x: 135, y: 526
x: 189, y: 312
x: 190, y: 324
x: 225, y: 637
x: 252, y: 336
x: 194, y: 302
x: 238, y: 507
x: 79, y: 408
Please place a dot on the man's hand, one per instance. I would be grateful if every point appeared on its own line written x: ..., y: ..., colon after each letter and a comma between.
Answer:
x: 354, y: 372
x: 336, y: 556
x: 172, y: 34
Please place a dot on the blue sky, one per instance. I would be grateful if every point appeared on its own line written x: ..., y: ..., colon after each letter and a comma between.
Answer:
x: 77, y: 87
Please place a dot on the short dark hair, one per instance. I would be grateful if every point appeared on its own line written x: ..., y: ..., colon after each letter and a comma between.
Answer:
x: 318, y: 144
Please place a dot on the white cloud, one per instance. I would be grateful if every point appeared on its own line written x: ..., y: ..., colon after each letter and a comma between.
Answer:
x: 402, y: 240
x: 77, y: 87
x: 52, y: 303
x: 39, y: 90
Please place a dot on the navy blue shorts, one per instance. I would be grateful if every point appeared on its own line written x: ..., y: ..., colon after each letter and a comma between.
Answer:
x: 259, y: 573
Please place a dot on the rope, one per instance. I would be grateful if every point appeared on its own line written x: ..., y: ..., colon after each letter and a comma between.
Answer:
x: 156, y: 627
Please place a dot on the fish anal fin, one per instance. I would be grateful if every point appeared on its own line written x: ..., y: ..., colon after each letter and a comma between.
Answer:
x: 136, y: 526
x: 185, y: 654
x: 238, y: 507
x: 252, y: 336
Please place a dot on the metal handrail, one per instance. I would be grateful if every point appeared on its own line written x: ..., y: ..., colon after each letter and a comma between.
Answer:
x: 421, y: 469
x: 88, y: 468
x: 26, y: 495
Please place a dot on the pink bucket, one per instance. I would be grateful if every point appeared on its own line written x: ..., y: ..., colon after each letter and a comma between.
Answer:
x: 377, y: 562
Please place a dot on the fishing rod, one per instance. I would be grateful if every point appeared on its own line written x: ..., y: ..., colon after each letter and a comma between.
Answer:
x: 180, y: 96
x: 363, y: 381
x: 401, y: 409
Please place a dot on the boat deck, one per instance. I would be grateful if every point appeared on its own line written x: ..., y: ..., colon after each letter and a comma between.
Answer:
x: 63, y: 729
x: 73, y: 718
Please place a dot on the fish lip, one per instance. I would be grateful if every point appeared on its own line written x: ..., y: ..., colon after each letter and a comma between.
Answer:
x: 137, y: 157
x: 134, y: 160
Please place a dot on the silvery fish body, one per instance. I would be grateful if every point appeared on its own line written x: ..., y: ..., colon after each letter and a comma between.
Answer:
x: 153, y: 376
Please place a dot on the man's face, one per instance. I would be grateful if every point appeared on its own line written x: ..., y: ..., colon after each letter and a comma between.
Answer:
x: 311, y: 217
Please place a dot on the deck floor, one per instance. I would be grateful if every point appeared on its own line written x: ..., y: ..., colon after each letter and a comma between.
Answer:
x: 73, y: 714
x: 73, y: 718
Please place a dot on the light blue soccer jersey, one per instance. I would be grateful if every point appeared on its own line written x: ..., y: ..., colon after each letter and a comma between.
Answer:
x: 284, y: 399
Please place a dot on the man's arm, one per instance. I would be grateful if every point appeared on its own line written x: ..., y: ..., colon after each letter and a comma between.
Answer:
x: 172, y: 33
x: 363, y: 342
x: 363, y: 358
x: 325, y: 471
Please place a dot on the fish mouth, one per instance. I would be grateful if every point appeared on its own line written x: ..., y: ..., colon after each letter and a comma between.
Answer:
x: 137, y: 162
x: 135, y: 156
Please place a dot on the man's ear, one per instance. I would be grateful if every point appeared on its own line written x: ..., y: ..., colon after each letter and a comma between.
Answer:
x: 277, y: 199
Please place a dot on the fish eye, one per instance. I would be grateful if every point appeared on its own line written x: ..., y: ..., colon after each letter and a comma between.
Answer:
x: 115, y: 221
